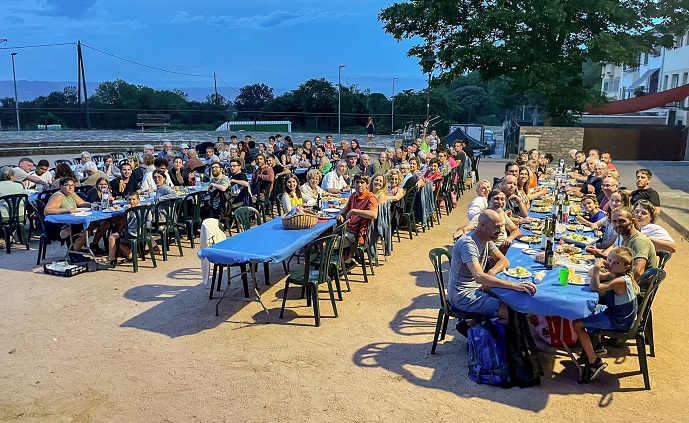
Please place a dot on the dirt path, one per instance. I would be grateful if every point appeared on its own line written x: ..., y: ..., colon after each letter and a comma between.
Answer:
x: 124, y: 347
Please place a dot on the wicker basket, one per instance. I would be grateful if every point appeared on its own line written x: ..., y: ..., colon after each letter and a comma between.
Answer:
x: 300, y: 221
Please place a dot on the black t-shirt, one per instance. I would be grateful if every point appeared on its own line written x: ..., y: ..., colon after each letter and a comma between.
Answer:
x: 277, y: 169
x: 468, y: 150
x: 645, y: 194
x: 130, y: 186
x: 240, y: 194
x: 182, y: 180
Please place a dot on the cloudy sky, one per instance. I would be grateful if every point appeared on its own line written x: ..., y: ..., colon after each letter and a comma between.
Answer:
x: 281, y: 43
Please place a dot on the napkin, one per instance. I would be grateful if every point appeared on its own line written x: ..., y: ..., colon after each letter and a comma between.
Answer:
x: 538, y: 276
x: 519, y: 245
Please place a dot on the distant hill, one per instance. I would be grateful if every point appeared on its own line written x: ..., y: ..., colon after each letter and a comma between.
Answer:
x: 28, y: 90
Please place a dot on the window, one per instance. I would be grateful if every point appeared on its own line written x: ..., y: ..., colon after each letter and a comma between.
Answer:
x: 679, y: 41
x: 665, y: 81
x: 675, y: 80
x: 645, y: 58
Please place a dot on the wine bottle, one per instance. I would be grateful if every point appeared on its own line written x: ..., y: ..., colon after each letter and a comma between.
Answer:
x: 565, y: 210
x: 317, y: 206
x: 544, y: 233
x: 549, y: 255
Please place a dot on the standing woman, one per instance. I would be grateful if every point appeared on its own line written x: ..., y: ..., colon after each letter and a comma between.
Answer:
x: 370, y: 129
x: 292, y: 194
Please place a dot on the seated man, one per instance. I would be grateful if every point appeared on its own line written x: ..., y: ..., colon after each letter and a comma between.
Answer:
x: 518, y: 210
x: 42, y: 173
x: 509, y: 231
x: 643, y: 191
x: 469, y: 282
x: 23, y: 176
x: 361, y: 208
x: 511, y: 168
x: 92, y: 174
x: 335, y: 182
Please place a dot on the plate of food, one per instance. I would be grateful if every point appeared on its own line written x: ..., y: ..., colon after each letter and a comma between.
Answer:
x: 517, y: 272
x: 568, y: 249
x: 578, y: 260
x: 578, y: 240
x: 529, y: 239
x: 331, y: 210
x: 541, y: 209
x: 540, y: 204
x: 577, y: 279
x: 112, y: 209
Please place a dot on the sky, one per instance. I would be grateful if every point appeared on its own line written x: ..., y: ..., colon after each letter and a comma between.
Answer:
x: 276, y: 42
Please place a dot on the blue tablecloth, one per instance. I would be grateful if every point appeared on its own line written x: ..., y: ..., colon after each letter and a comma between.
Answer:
x: 551, y: 298
x: 266, y: 243
x: 70, y: 219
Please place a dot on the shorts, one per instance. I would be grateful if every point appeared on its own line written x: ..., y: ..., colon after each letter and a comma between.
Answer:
x: 349, y: 240
x: 598, y: 320
x: 478, y: 302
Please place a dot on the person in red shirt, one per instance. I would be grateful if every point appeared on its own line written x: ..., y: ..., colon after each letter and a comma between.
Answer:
x: 361, y: 208
x: 433, y: 172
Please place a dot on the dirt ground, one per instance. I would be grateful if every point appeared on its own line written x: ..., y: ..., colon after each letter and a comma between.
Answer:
x: 123, y: 347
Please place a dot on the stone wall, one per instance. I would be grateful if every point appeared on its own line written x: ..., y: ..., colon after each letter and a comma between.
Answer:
x: 555, y: 140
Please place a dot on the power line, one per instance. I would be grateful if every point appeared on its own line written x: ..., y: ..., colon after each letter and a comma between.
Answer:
x: 38, y: 45
x: 234, y: 88
x: 144, y: 65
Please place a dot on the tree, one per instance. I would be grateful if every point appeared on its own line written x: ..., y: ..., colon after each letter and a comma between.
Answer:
x: 253, y: 97
x: 539, y: 46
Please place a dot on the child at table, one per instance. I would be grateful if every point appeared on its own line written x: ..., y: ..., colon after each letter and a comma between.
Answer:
x: 616, y: 310
x: 592, y: 213
x: 132, y: 226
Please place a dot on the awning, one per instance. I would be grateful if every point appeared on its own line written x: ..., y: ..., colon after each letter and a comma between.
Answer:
x: 639, y: 104
x: 641, y: 80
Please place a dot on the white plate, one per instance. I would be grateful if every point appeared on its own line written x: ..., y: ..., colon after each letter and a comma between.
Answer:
x: 82, y: 209
x: 509, y: 272
x: 331, y: 210
x: 82, y: 213
x: 112, y: 211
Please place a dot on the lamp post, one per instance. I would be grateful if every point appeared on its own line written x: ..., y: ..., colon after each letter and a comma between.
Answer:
x: 429, y: 62
x: 16, y: 100
x: 392, y: 114
x: 339, y: 98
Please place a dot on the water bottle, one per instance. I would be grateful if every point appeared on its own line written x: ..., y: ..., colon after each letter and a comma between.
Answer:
x: 104, y: 199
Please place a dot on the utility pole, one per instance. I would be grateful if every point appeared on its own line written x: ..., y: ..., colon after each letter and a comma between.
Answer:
x: 16, y: 99
x: 82, y: 76
x: 215, y: 85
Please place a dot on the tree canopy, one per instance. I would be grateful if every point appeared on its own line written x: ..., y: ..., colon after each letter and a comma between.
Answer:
x: 539, y: 46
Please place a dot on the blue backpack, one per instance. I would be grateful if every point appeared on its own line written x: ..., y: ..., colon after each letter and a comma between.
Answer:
x: 488, y: 354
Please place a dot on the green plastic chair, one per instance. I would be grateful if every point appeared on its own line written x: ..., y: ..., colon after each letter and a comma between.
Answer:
x: 337, y: 264
x: 312, y: 278
x: 243, y: 217
x: 16, y: 219
x: 641, y: 330
x: 362, y: 252
x: 139, y: 240
x: 445, y: 311
x: 165, y: 216
x: 190, y: 217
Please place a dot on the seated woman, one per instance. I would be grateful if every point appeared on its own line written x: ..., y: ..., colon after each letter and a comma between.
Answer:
x: 415, y: 168
x: 433, y: 173
x: 395, y: 195
x: 378, y: 187
x: 179, y: 175
x: 291, y: 196
x: 287, y: 158
x: 163, y: 190
x: 646, y: 215
x: 138, y: 171
x: 323, y: 163
x: 95, y: 196
x: 96, y: 193
x: 311, y: 190
x: 480, y: 202
x: 592, y: 213
x: 63, y: 171
x: 108, y: 166
x: 66, y: 201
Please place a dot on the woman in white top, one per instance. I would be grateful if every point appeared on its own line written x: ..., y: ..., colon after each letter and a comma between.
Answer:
x: 479, y: 203
x: 646, y: 215
x: 312, y: 188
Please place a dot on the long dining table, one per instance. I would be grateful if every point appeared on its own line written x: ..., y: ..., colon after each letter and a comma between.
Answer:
x: 551, y: 298
x: 270, y: 242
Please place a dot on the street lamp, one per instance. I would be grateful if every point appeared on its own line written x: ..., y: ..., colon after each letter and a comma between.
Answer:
x: 429, y: 62
x: 339, y: 98
x: 392, y: 114
x: 16, y: 100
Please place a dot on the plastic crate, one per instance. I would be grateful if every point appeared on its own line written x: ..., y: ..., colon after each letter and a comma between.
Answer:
x: 72, y: 271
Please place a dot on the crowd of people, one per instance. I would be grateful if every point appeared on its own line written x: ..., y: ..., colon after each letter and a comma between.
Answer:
x: 624, y: 220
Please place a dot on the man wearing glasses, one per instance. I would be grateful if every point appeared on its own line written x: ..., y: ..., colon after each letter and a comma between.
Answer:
x: 361, y: 208
x: 239, y: 185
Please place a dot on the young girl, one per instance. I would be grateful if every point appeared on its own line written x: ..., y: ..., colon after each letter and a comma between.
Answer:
x: 592, y: 213
x: 292, y: 193
x: 617, y: 306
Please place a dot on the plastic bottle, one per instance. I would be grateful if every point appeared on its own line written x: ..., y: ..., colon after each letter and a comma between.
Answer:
x: 104, y: 199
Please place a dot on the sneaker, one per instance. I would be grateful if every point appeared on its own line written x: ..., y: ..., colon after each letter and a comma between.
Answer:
x: 97, y: 250
x: 462, y: 327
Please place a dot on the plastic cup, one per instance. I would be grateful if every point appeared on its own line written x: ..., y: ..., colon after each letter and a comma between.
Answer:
x: 564, y: 276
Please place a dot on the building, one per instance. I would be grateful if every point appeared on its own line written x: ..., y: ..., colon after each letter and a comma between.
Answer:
x: 659, y: 70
